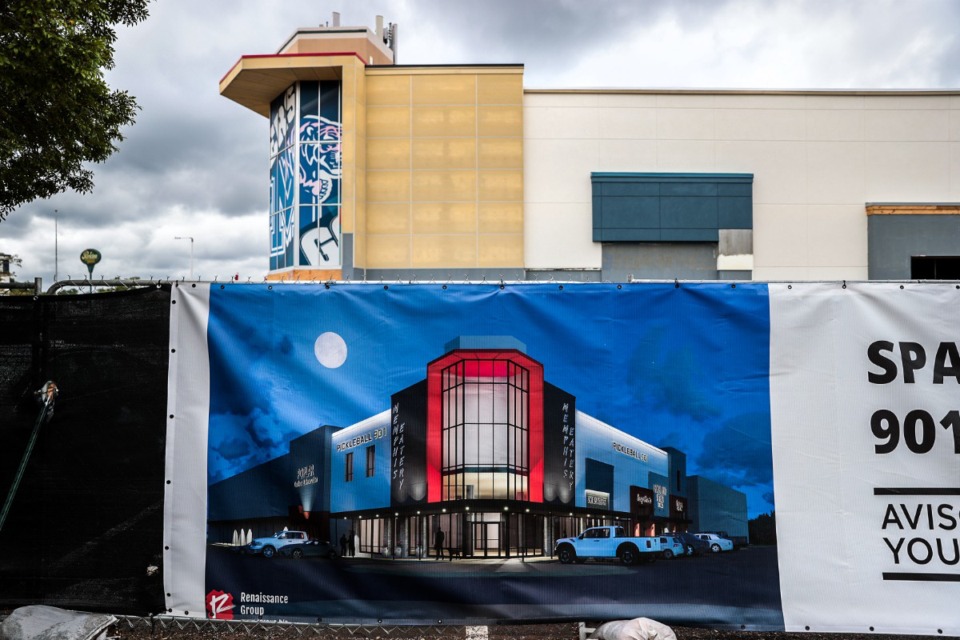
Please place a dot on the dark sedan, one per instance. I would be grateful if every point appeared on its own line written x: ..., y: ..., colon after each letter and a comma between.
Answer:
x: 309, y: 549
x: 694, y: 545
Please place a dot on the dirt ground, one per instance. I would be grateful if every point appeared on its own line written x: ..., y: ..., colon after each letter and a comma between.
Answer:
x: 143, y: 629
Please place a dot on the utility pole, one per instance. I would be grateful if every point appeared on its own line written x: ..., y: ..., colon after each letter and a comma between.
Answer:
x: 190, y: 238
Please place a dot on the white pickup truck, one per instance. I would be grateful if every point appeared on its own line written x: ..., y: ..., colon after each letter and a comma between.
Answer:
x: 607, y: 543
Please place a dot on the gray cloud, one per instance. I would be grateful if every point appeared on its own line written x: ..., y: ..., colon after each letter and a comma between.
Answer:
x: 545, y: 30
x: 234, y: 448
x: 246, y: 441
x: 685, y: 391
x: 195, y: 163
x: 738, y: 453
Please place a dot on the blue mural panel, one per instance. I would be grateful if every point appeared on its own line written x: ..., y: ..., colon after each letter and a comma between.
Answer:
x: 319, y: 174
x: 282, y: 176
x: 285, y: 178
x: 309, y: 101
x: 276, y: 242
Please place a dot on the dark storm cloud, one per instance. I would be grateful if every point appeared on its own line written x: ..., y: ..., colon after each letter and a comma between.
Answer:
x: 195, y: 163
x: 16, y: 225
x: 544, y: 24
x: 190, y: 149
x: 684, y: 394
x: 246, y: 442
x: 547, y: 34
x: 511, y: 25
x: 260, y: 427
x: 234, y: 448
x: 253, y: 347
x: 179, y: 169
x: 738, y: 453
x: 191, y: 164
x: 672, y: 379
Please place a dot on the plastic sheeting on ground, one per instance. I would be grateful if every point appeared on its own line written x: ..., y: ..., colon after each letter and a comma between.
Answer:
x: 636, y: 629
x: 40, y: 622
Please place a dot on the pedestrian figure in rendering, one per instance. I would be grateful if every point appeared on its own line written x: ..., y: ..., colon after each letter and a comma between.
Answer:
x: 438, y: 539
x: 351, y: 546
x: 343, y: 545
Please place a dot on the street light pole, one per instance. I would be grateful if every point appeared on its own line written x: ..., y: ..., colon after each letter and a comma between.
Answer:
x: 190, y: 238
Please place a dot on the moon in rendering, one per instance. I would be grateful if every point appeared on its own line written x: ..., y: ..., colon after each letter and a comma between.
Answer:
x: 330, y: 349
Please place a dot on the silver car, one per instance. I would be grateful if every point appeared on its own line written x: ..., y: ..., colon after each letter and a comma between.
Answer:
x: 671, y: 547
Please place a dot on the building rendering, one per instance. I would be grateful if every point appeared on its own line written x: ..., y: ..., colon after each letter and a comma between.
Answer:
x: 485, y: 450
x: 715, y: 507
x: 380, y: 170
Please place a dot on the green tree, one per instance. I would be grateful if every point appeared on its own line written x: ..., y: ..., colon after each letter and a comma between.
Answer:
x: 763, y: 528
x: 7, y: 262
x: 7, y: 275
x: 56, y: 110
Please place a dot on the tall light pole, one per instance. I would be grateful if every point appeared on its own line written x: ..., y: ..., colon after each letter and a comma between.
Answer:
x: 190, y: 238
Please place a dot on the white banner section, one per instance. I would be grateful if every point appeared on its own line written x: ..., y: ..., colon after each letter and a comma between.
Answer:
x: 865, y: 404
x: 185, y: 497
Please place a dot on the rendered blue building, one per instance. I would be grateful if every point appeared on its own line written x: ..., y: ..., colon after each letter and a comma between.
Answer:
x: 483, y: 449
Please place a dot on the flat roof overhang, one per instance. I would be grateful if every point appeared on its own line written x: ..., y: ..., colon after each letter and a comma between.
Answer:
x: 254, y: 81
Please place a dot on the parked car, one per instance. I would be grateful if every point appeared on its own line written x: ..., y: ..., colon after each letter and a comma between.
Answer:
x: 309, y: 549
x: 717, y: 544
x: 671, y: 547
x: 268, y: 547
x: 695, y: 546
x: 722, y: 534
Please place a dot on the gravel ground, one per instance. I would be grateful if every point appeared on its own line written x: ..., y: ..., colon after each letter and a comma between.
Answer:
x: 142, y: 629
x: 137, y: 628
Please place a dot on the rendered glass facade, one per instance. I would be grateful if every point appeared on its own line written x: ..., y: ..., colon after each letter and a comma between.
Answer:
x: 485, y: 422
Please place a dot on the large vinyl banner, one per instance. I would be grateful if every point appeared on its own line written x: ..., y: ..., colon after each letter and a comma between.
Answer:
x: 864, y: 384
x: 532, y: 451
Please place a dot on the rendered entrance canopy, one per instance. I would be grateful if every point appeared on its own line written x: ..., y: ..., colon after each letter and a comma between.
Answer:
x: 480, y: 433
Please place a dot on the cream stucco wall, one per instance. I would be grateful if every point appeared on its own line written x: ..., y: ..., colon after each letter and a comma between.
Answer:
x: 444, y: 168
x: 817, y: 159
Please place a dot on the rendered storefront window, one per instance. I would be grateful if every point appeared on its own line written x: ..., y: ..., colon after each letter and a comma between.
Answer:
x: 485, y: 430
x: 372, y: 535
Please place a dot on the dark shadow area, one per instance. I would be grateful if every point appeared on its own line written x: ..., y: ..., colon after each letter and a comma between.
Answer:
x: 84, y: 529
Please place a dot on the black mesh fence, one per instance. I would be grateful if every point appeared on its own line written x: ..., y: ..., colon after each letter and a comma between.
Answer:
x: 84, y: 529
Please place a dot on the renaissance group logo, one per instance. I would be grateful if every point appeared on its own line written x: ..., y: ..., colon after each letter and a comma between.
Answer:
x: 219, y: 605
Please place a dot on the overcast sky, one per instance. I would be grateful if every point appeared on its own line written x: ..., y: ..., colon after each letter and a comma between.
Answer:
x: 195, y: 164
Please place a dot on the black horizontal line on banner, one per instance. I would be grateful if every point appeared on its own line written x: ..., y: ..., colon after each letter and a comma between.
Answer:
x: 922, y: 577
x: 916, y: 491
